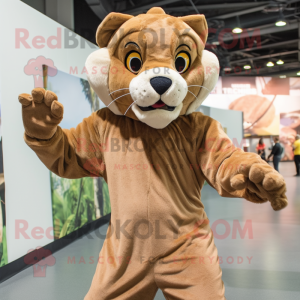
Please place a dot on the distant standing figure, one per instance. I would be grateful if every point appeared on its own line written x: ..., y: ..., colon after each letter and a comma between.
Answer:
x: 276, y: 153
x: 260, y: 148
x: 296, y: 147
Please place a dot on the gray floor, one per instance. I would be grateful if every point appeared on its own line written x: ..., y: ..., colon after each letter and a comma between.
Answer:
x: 272, y: 274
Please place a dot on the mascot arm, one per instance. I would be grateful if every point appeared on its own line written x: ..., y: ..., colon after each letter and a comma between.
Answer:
x: 73, y: 153
x: 234, y: 173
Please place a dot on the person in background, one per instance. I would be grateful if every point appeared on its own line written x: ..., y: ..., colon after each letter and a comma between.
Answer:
x: 277, y: 150
x: 260, y: 148
x: 296, y: 147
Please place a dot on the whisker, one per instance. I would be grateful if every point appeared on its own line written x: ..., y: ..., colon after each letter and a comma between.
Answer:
x: 129, y: 107
x: 117, y: 99
x: 200, y: 86
x: 119, y: 90
x: 192, y: 94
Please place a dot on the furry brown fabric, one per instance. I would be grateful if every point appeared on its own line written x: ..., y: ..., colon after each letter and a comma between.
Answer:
x: 159, y: 235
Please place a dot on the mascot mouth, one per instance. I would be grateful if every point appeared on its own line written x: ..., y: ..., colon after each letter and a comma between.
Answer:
x: 158, y: 105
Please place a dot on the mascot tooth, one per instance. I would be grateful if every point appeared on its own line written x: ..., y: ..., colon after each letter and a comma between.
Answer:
x: 152, y: 72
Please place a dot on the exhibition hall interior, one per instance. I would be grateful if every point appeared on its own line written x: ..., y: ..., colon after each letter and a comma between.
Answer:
x: 149, y: 149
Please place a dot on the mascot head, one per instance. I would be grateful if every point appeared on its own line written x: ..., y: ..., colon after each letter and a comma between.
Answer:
x: 152, y: 67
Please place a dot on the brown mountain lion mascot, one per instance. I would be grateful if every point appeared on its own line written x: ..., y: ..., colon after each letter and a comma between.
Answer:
x: 155, y: 152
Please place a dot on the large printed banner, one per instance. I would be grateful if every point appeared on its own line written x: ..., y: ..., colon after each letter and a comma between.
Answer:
x: 271, y: 106
x: 75, y: 202
x: 3, y: 244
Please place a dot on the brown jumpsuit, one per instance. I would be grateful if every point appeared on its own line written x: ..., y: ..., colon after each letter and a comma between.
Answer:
x: 159, y: 236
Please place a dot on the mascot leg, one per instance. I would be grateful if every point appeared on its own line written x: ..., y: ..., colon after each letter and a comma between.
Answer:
x: 192, y: 272
x: 122, y: 277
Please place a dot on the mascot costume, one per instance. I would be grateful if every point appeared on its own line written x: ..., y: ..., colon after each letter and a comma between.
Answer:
x: 155, y: 152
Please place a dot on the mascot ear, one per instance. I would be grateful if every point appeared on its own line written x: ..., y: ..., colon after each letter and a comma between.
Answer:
x: 108, y: 27
x: 198, y: 24
x: 97, y: 67
x: 211, y: 70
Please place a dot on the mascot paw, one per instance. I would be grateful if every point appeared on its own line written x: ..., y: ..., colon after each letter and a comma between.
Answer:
x: 262, y: 183
x: 41, y: 113
x: 279, y: 203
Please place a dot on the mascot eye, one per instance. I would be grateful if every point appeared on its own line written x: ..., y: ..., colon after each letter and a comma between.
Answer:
x: 182, y: 62
x: 133, y: 62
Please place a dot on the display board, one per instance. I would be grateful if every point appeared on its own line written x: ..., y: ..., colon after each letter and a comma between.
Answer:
x: 231, y: 121
x: 75, y: 202
x: 290, y: 119
x: 3, y: 243
x: 270, y: 105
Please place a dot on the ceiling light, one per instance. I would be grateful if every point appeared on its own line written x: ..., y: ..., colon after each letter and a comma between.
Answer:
x: 280, y: 23
x: 270, y: 64
x: 282, y: 76
x: 281, y: 20
x: 298, y: 73
x: 280, y: 62
x: 247, y: 67
x: 237, y: 30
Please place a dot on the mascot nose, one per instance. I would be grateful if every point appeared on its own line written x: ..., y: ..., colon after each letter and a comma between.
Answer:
x: 160, y: 84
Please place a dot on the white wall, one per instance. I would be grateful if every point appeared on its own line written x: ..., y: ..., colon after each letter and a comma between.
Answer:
x: 230, y: 119
x: 27, y: 181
